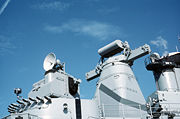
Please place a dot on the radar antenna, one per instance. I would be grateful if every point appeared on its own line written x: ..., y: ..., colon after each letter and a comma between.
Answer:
x: 179, y: 41
x: 51, y: 63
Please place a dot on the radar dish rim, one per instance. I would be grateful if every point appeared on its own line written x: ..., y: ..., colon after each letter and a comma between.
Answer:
x: 49, y: 61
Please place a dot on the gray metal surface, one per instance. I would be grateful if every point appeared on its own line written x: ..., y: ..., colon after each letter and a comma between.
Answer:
x: 166, y: 80
x: 165, y: 102
x: 117, y: 96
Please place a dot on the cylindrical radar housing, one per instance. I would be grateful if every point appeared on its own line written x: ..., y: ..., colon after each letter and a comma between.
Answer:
x: 164, y: 70
x: 166, y: 80
x: 111, y: 49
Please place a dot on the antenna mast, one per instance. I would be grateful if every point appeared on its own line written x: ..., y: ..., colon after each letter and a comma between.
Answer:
x: 179, y: 41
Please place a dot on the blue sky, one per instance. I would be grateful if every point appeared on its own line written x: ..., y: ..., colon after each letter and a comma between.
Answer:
x: 74, y: 30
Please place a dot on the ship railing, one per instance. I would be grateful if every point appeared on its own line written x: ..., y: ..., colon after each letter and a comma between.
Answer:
x: 7, y: 117
x: 139, y: 111
x: 24, y: 115
x: 123, y: 111
x: 169, y: 109
x: 171, y: 89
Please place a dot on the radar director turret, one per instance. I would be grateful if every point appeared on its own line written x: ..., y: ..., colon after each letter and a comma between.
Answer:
x: 117, y: 83
x: 56, y: 83
x: 166, y: 71
x: 114, y: 48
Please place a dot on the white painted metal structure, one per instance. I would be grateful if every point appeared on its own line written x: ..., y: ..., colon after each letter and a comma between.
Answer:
x: 117, y: 96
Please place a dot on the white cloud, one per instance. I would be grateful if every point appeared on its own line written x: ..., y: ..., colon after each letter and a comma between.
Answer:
x: 160, y: 42
x: 51, y: 5
x: 4, y: 6
x: 95, y: 29
x: 5, y: 45
x: 165, y: 53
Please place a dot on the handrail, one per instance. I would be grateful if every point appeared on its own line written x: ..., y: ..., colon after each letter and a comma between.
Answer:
x: 124, y: 111
x: 170, y: 109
